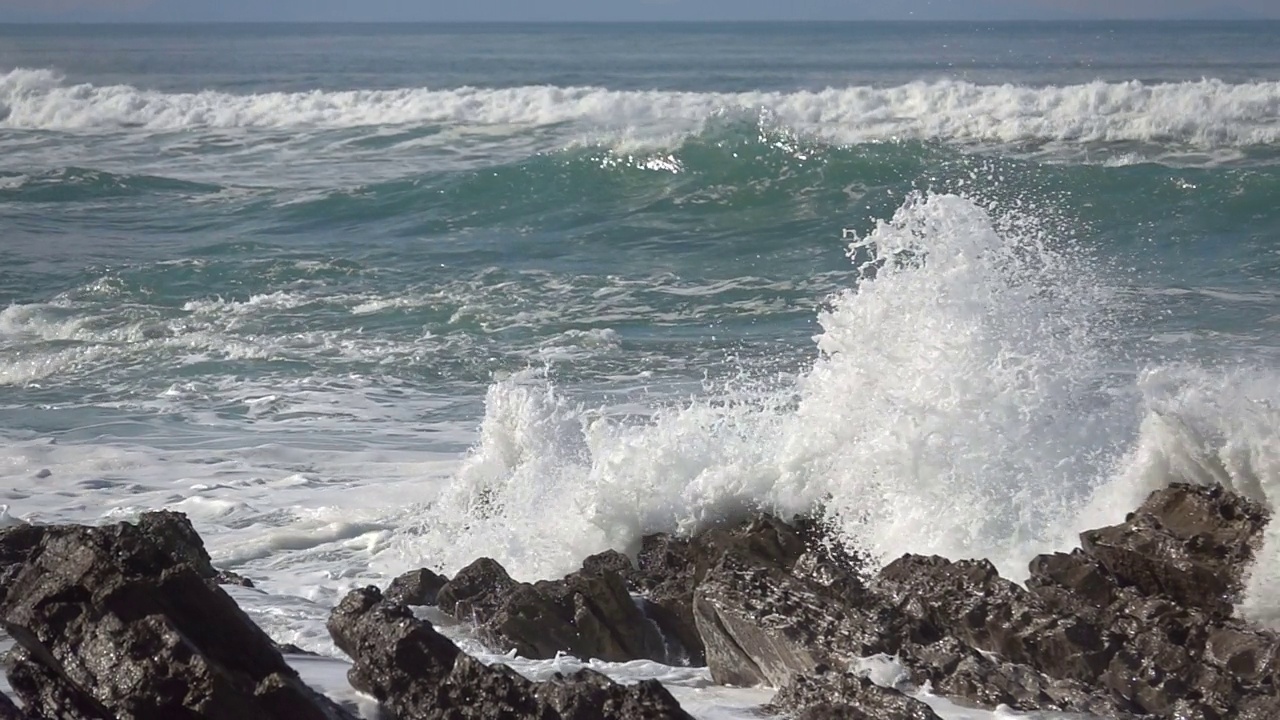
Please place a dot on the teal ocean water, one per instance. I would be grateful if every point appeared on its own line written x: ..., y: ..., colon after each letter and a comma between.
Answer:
x: 371, y: 297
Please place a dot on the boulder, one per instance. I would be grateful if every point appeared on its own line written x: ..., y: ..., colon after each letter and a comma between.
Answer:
x: 589, y: 614
x: 420, y: 675
x: 475, y: 593
x: 968, y: 600
x: 1192, y: 544
x: 416, y: 587
x: 116, y: 622
x: 830, y: 694
x: 761, y: 625
x: 670, y: 569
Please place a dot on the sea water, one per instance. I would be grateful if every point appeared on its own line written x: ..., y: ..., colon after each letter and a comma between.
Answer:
x: 360, y: 299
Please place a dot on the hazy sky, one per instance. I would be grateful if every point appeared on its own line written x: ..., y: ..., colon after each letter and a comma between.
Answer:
x: 541, y: 10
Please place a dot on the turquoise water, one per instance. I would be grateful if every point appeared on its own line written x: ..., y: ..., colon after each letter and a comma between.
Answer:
x: 363, y: 297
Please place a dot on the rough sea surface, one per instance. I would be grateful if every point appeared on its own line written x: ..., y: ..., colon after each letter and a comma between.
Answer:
x: 361, y: 298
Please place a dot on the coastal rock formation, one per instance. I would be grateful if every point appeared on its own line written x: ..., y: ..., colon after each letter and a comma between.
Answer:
x: 421, y: 675
x: 124, y: 621
x: 416, y: 587
x: 9, y: 711
x: 1136, y: 623
x: 589, y: 614
x: 827, y: 694
x: 128, y: 621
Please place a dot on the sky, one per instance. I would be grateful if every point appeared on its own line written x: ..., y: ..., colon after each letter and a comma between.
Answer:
x: 616, y: 10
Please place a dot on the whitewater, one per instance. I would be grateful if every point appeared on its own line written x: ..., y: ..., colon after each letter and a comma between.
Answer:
x: 354, y: 325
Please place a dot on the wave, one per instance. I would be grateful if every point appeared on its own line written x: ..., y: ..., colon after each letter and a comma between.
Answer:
x: 965, y: 402
x: 75, y: 184
x: 1205, y: 114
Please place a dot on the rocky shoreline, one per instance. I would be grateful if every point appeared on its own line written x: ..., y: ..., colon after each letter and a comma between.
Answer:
x: 129, y: 621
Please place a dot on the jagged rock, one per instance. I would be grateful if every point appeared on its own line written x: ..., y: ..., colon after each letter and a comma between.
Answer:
x: 476, y: 591
x: 173, y: 531
x: 611, y: 561
x: 830, y: 694
x: 113, y: 622
x: 17, y: 543
x: 969, y: 600
x: 416, y: 587
x: 666, y: 575
x: 671, y: 568
x: 44, y: 693
x: 291, y: 649
x: 589, y: 614
x: 1067, y: 579
x: 420, y: 675
x: 761, y: 625
x: 10, y: 711
x: 955, y: 670
x: 1192, y: 544
x: 588, y: 695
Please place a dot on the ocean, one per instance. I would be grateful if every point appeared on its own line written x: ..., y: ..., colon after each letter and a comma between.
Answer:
x: 360, y: 299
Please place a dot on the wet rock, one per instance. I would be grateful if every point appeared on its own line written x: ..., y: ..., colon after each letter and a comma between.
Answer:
x: 291, y: 649
x: 44, y: 694
x: 666, y: 575
x: 17, y: 543
x: 969, y: 600
x: 475, y: 593
x: 1068, y: 579
x: 588, y: 695
x: 10, y: 711
x: 957, y: 671
x: 420, y: 675
x: 114, y: 622
x: 670, y: 569
x: 609, y: 561
x: 589, y: 614
x: 830, y: 694
x: 174, y: 532
x: 1192, y: 544
x: 416, y: 587
x: 761, y: 625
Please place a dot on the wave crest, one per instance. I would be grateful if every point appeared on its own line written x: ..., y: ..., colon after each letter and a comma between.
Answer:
x: 1205, y: 113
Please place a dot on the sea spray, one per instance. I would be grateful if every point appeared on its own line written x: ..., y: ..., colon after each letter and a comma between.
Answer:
x: 957, y: 406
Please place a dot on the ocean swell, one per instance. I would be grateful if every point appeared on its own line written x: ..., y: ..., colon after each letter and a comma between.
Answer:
x: 1203, y: 114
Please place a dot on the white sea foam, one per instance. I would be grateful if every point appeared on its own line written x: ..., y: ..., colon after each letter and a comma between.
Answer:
x: 1206, y: 113
x: 965, y: 403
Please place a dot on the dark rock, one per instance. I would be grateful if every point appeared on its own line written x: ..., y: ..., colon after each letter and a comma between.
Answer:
x: 667, y: 576
x: 587, y: 614
x: 174, y: 532
x: 670, y: 569
x: 761, y: 625
x: 1193, y: 544
x: 420, y: 675
x: 1077, y: 574
x: 955, y: 670
x: 10, y: 711
x: 44, y: 693
x: 227, y: 577
x: 830, y: 694
x: 475, y: 593
x: 416, y: 587
x: 291, y: 649
x: 588, y: 695
x: 609, y: 561
x: 113, y: 622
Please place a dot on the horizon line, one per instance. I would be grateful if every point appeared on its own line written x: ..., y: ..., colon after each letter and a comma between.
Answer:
x: 763, y: 21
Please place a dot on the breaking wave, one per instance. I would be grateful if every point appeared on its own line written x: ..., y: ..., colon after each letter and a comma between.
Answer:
x: 964, y: 401
x: 1204, y: 114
